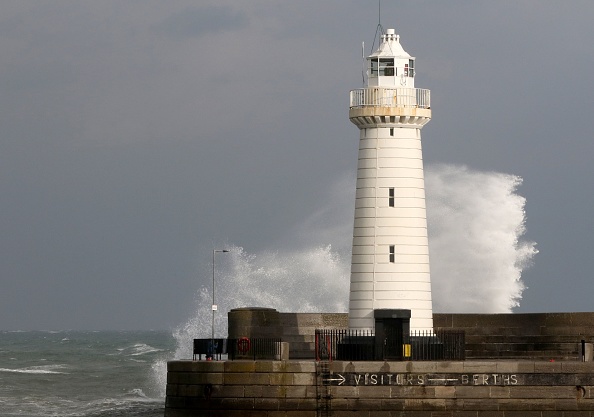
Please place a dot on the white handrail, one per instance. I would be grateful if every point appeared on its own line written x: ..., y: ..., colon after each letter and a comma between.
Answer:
x: 390, y: 97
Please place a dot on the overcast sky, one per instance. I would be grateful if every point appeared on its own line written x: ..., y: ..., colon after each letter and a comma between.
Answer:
x: 136, y: 136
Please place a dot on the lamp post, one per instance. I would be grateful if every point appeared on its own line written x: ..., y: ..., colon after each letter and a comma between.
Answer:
x: 214, y: 306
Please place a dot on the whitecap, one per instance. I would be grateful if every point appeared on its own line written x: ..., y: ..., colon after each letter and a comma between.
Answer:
x: 137, y: 392
x: 139, y: 349
x: 28, y: 371
x: 45, y: 369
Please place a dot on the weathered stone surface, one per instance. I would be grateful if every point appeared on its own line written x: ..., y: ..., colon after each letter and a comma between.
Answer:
x: 513, y: 413
x: 449, y: 367
x: 585, y: 404
x: 248, y: 378
x: 475, y: 367
x: 514, y: 367
x: 240, y: 366
x: 300, y: 404
x: 422, y: 367
x: 576, y: 367
x: 195, y: 366
x: 394, y: 404
x: 548, y: 367
x: 190, y: 378
x: 267, y: 404
x: 543, y: 392
x: 304, y: 379
x: 375, y: 392
x: 483, y: 404
x: 299, y: 392
x: 345, y: 392
x: 412, y: 392
x: 301, y: 366
x: 444, y: 392
x: 567, y: 404
x: 576, y: 414
x: 499, y: 392
x: 425, y: 404
x: 363, y: 404
x: 472, y: 392
x: 284, y: 378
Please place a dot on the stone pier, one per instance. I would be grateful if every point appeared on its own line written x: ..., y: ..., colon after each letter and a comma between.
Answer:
x: 518, y: 365
x: 380, y: 389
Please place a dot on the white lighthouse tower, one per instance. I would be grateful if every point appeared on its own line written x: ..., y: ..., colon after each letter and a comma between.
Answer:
x: 390, y: 260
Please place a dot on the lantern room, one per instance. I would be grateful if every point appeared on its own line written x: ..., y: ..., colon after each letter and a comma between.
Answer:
x: 390, y: 65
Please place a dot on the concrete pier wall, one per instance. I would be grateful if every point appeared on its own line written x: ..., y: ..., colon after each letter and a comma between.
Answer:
x: 380, y: 389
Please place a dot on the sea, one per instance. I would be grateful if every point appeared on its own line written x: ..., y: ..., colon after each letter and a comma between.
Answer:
x: 84, y: 373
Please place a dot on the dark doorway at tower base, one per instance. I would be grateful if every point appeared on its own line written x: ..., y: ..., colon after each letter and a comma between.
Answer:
x: 391, y: 326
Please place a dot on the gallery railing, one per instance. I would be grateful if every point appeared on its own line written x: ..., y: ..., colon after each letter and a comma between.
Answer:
x: 390, y: 97
x: 242, y: 348
x: 354, y: 345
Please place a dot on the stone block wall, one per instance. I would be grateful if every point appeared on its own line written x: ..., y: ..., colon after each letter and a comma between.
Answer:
x: 543, y: 336
x: 298, y: 329
x: 380, y: 389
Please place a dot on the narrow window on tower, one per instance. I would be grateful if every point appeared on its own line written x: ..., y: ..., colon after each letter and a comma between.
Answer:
x: 391, y: 131
x: 392, y: 253
x: 391, y: 197
x: 411, y: 67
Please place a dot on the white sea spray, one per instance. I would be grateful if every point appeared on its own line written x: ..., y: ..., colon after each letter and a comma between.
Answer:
x: 476, y: 224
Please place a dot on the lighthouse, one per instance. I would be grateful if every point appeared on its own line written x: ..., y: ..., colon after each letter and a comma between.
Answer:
x: 390, y: 257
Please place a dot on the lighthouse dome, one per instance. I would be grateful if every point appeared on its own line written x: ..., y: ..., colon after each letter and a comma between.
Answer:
x: 390, y: 46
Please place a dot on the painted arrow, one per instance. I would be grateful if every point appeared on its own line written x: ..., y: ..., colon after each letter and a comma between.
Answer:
x: 341, y: 379
x: 446, y: 380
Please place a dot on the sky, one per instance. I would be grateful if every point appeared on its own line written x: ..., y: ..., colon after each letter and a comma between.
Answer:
x: 138, y: 136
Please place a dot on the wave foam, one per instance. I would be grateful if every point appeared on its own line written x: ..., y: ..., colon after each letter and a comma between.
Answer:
x: 476, y: 224
x: 45, y: 369
x: 139, y: 349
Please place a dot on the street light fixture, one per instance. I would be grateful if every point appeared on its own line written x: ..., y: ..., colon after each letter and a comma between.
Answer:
x: 214, y: 306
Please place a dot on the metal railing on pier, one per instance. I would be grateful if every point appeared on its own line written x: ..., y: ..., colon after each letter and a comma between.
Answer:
x: 242, y: 348
x: 210, y: 348
x: 354, y: 345
x: 344, y: 344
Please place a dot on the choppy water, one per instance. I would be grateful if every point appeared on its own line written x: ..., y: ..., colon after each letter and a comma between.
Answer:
x: 75, y: 373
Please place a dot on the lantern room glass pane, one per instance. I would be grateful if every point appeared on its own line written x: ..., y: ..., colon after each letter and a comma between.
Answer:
x: 386, y: 66
x: 374, y: 66
x: 382, y: 67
